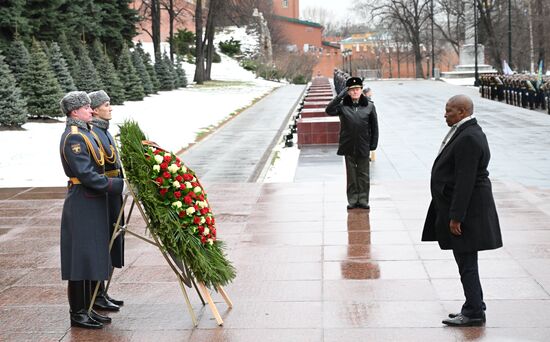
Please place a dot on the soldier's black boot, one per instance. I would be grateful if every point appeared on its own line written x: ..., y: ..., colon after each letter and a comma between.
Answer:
x: 101, y: 302
x: 106, y: 295
x: 77, y: 303
x: 90, y: 287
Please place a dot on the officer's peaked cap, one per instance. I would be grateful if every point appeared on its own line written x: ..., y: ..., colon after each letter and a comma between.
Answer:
x: 98, y: 98
x: 74, y: 100
x: 354, y: 82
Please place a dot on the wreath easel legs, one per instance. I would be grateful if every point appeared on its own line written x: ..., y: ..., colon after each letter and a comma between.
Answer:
x: 183, y: 274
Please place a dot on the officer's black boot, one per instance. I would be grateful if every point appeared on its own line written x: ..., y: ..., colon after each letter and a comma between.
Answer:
x: 77, y: 303
x: 106, y: 295
x: 101, y: 301
x: 90, y: 287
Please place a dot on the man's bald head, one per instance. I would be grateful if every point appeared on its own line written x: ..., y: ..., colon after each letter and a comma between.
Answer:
x: 458, y: 107
x: 463, y: 102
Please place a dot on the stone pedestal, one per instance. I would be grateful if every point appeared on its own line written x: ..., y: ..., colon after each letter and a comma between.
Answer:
x: 467, y: 65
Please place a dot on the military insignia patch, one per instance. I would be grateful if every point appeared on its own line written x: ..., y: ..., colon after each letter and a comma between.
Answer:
x: 76, y: 148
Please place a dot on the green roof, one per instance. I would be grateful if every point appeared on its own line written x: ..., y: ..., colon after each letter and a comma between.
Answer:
x: 298, y: 21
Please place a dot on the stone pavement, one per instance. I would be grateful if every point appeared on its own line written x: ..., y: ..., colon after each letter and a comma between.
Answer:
x: 308, y: 270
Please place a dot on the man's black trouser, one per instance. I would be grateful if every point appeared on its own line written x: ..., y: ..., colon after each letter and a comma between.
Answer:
x: 469, y: 276
x: 358, y: 180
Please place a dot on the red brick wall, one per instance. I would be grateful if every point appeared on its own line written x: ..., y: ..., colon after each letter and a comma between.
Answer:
x: 292, y: 11
x: 300, y: 34
x: 186, y: 20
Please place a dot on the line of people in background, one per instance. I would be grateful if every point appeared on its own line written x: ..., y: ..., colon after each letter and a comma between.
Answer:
x: 520, y: 90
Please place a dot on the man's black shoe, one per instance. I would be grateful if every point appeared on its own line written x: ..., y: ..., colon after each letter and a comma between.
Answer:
x: 100, y: 318
x: 462, y: 321
x: 363, y: 206
x: 82, y: 320
x: 114, y: 301
x: 352, y: 206
x: 102, y: 303
x: 453, y: 315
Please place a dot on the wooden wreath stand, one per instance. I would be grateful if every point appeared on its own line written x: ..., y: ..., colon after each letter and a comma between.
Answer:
x: 183, y: 274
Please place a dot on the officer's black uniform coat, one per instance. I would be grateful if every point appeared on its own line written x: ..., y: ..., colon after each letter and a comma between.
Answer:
x: 112, y: 163
x: 461, y: 190
x: 358, y: 125
x: 84, y: 222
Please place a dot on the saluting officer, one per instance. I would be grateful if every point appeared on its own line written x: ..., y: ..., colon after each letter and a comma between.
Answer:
x: 101, y: 111
x: 85, y: 219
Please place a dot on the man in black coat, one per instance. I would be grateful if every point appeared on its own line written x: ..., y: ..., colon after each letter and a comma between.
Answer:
x: 84, y: 222
x: 462, y: 215
x: 102, y: 114
x: 358, y: 136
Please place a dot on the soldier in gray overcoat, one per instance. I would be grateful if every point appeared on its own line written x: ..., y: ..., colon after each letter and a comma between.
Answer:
x: 462, y: 215
x: 101, y: 111
x: 84, y: 222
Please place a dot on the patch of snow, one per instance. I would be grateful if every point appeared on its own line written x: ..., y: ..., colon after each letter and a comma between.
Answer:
x: 172, y: 119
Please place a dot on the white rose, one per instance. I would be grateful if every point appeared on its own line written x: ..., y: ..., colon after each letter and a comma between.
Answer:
x: 211, y: 242
x: 201, y: 204
x: 203, y: 220
x: 156, y: 168
x: 197, y: 189
x: 183, y: 168
x: 188, y: 185
x: 194, y: 179
x: 159, y: 159
x: 173, y: 168
x: 177, y: 204
x: 206, y: 231
x: 190, y: 211
x: 176, y: 184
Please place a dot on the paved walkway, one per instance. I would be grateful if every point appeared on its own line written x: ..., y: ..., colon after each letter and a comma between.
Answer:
x: 308, y: 270
x: 238, y: 150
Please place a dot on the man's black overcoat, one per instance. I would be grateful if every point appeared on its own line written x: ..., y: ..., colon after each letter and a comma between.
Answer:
x: 461, y: 190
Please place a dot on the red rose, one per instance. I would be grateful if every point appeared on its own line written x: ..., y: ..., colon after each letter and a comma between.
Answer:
x: 167, y: 175
x: 194, y: 184
x: 192, y: 194
x: 196, y: 207
x: 177, y: 194
x: 188, y: 200
x: 213, y: 221
x: 213, y: 230
x: 156, y: 152
x: 201, y: 228
x: 208, y: 221
x: 179, y: 178
x: 187, y: 176
x: 203, y: 239
x: 159, y: 180
x: 163, y: 191
x: 196, y: 220
x: 182, y: 213
x: 178, y: 163
x: 164, y: 166
x: 167, y: 158
x: 201, y: 197
x: 178, y: 160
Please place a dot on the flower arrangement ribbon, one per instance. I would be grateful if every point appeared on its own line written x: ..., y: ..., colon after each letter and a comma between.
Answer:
x: 176, y: 205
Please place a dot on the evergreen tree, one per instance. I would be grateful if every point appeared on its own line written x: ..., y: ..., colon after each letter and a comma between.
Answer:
x: 68, y: 54
x: 171, y: 68
x: 142, y: 72
x: 129, y: 77
x: 118, y: 26
x: 17, y: 57
x: 149, y: 66
x: 39, y: 85
x: 12, y: 20
x: 60, y: 69
x: 111, y: 82
x: 12, y: 104
x: 96, y: 52
x: 46, y: 19
x: 165, y: 76
x: 180, y: 73
x: 86, y: 78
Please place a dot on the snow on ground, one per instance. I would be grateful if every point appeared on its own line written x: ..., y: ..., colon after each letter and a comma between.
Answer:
x: 172, y: 119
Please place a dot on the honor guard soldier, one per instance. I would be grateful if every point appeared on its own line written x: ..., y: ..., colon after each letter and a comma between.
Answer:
x: 101, y: 111
x: 85, y: 219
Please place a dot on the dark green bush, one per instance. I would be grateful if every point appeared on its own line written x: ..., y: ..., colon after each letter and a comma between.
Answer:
x: 231, y: 47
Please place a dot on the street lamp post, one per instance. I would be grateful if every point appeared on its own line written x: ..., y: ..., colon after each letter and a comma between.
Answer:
x: 433, y: 51
x: 350, y: 69
x: 476, y: 75
x: 509, y: 32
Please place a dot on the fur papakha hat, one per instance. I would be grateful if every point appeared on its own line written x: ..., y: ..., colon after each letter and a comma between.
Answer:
x: 74, y: 100
x: 98, y: 98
